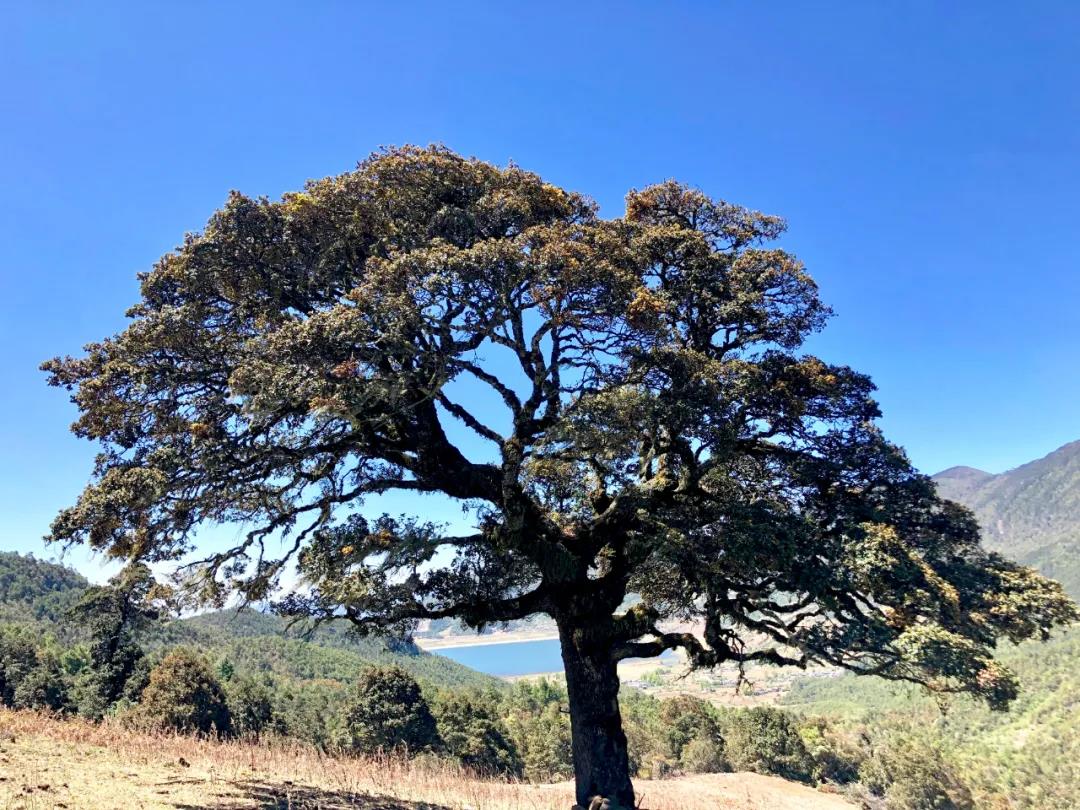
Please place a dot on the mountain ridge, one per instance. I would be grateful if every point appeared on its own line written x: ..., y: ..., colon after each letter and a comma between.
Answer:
x: 1030, y: 513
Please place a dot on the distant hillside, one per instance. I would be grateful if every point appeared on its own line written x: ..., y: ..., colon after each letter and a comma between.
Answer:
x: 33, y: 590
x: 1031, y: 514
x: 40, y: 593
x: 258, y: 642
x: 1029, y: 754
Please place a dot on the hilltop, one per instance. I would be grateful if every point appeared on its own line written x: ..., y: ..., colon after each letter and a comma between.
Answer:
x: 1031, y: 513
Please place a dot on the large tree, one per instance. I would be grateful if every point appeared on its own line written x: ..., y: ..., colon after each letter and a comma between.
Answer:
x: 621, y: 405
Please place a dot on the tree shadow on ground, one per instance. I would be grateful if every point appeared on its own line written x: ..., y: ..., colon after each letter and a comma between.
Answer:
x: 282, y: 796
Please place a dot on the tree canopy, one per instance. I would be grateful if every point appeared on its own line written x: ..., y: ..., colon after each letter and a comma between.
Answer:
x: 649, y: 421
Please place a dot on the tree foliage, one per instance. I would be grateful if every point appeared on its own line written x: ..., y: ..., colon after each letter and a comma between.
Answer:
x: 767, y: 740
x: 536, y: 717
x: 388, y: 712
x: 471, y: 730
x: 112, y: 615
x: 184, y: 695
x: 251, y: 705
x: 299, y: 354
x: 30, y: 674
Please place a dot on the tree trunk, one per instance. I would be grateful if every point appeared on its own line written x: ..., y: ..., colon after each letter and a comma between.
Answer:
x: 601, y: 765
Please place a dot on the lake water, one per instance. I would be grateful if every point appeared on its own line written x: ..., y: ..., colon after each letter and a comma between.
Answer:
x: 510, y: 658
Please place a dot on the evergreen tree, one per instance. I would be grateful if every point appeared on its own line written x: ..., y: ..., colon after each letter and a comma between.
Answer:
x: 686, y: 719
x: 540, y: 729
x: 472, y: 732
x: 251, y: 705
x: 184, y: 695
x: 112, y: 614
x: 43, y: 687
x: 31, y: 676
x: 388, y: 712
x: 766, y: 740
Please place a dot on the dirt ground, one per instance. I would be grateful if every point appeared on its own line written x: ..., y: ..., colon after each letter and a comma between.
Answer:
x: 45, y: 763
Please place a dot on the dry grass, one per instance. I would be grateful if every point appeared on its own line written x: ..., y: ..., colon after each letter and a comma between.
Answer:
x: 75, y: 765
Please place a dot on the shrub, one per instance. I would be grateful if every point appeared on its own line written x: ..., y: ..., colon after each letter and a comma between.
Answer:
x: 312, y: 711
x: 837, y: 754
x: 184, y: 695
x: 914, y: 775
x: 473, y: 733
x: 42, y: 688
x: 251, y: 706
x: 18, y: 658
x: 766, y: 740
x: 704, y: 755
x: 388, y: 712
x: 686, y: 718
x: 540, y: 730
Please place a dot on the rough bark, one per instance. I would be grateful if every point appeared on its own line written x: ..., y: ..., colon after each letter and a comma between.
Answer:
x: 601, y: 764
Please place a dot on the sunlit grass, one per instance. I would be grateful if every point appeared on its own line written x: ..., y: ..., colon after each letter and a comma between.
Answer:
x: 47, y: 762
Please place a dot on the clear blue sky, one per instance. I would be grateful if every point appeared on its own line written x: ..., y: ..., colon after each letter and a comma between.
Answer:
x: 926, y: 155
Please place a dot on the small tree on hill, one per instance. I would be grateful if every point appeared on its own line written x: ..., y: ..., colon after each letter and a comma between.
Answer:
x: 685, y: 719
x: 388, y: 712
x: 43, y: 687
x: 184, y: 695
x: 540, y: 730
x: 622, y: 404
x: 912, y: 774
x: 18, y: 658
x: 251, y: 705
x: 113, y: 614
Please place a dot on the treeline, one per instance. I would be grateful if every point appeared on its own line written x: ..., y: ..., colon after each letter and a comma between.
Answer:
x: 518, y: 732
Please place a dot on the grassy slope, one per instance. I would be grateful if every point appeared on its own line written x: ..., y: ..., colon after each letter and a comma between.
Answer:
x: 47, y: 763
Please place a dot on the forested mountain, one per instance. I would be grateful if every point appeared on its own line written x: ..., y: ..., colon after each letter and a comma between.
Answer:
x: 1031, y: 514
x: 33, y: 590
x: 40, y: 593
